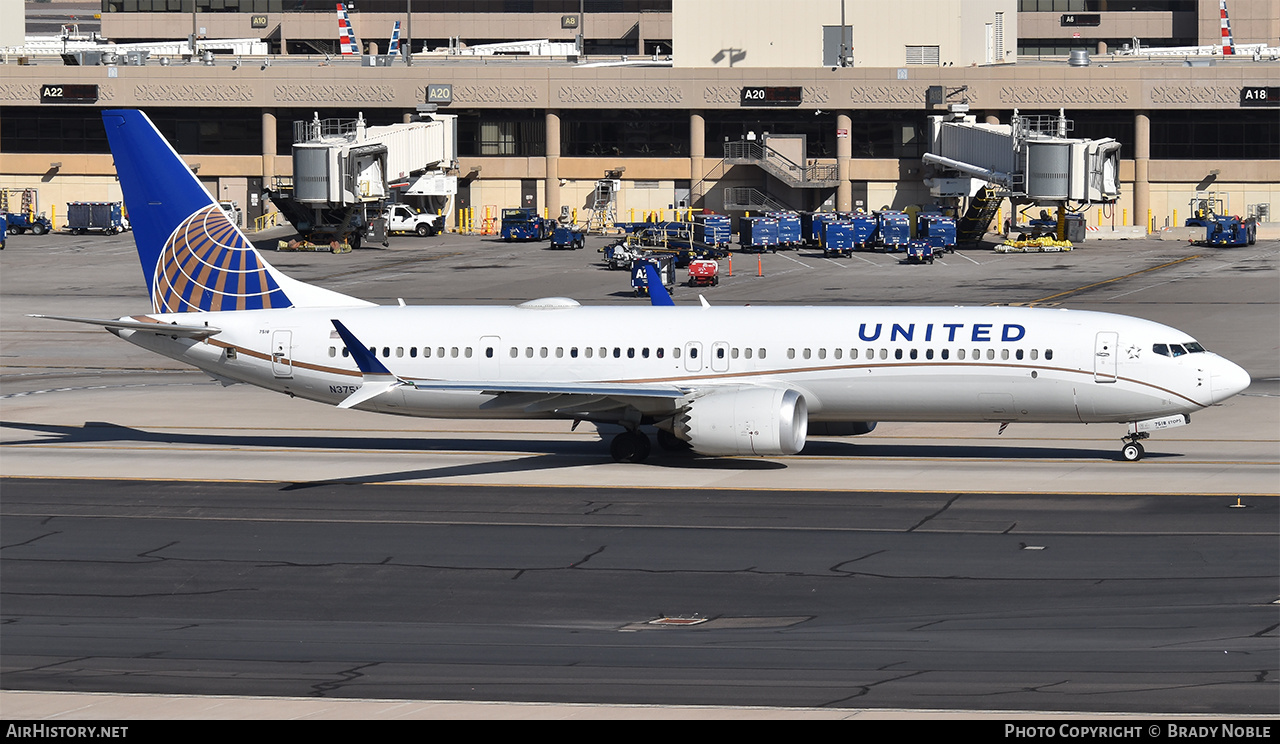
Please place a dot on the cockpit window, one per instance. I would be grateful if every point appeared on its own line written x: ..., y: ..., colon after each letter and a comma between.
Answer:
x: 1191, y: 347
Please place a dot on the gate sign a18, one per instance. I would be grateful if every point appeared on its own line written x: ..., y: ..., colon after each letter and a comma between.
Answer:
x: 1260, y: 95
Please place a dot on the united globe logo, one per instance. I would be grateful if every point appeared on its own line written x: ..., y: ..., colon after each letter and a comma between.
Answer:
x: 208, y: 265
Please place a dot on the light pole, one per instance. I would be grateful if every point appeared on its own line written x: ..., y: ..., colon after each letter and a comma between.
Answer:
x: 408, y: 34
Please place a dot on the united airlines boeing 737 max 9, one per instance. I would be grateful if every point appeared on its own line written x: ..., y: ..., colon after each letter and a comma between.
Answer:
x: 717, y: 380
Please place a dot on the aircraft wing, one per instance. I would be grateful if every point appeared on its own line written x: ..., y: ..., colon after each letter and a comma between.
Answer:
x: 148, y: 326
x: 569, y: 398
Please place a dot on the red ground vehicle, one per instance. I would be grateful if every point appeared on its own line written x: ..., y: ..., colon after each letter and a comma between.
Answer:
x: 704, y: 272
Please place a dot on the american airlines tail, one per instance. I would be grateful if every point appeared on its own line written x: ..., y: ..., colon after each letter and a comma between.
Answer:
x: 395, y: 40
x: 346, y: 36
x: 193, y: 256
x: 1228, y: 47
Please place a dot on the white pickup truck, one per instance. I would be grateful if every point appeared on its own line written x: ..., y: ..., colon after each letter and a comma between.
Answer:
x: 401, y: 219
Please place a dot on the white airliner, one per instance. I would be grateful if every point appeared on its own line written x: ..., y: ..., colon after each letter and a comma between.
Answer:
x: 717, y: 380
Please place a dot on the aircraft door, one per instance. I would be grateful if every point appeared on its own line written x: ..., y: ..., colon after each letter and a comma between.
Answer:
x: 1105, y: 356
x: 281, y: 353
x: 490, y: 356
x: 693, y: 356
x: 720, y: 357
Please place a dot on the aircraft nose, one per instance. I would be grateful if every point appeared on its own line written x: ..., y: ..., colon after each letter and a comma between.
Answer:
x: 1228, y: 379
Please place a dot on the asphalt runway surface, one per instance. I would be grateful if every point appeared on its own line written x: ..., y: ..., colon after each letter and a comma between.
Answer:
x: 161, y: 534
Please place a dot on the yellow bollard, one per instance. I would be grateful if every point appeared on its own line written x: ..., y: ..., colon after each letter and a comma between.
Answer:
x: 1099, y: 216
x: 1150, y: 222
x: 1175, y: 218
x: 1124, y: 216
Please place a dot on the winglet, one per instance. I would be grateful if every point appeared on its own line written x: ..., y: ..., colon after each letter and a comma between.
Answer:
x: 658, y: 294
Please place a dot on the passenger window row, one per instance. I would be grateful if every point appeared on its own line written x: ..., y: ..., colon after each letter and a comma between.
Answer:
x: 944, y: 354
x: 617, y: 352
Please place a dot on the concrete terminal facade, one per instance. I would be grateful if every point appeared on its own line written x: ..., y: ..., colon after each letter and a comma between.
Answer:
x: 540, y: 132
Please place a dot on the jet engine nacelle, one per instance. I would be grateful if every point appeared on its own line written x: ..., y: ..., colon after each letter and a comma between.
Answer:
x: 746, y: 421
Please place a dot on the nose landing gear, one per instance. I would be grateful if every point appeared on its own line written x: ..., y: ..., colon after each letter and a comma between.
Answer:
x: 1139, y: 430
x: 1132, y: 450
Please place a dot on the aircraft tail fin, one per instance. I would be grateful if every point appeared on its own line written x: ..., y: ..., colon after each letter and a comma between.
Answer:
x: 193, y: 256
x: 346, y: 36
x: 1228, y: 45
x: 395, y: 40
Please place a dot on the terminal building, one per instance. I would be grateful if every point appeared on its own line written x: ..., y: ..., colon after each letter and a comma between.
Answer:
x: 721, y: 105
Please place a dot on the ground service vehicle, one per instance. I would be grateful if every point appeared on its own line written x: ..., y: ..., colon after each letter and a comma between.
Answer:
x: 938, y: 229
x: 403, y: 219
x: 919, y: 250
x: 758, y: 234
x: 568, y: 236
x: 864, y: 230
x: 788, y: 229
x: 105, y: 216
x: 20, y: 223
x: 704, y: 272
x: 1230, y: 230
x: 893, y: 230
x: 620, y: 255
x: 523, y: 224
x: 838, y: 239
x: 640, y: 275
x: 713, y: 230
x: 233, y: 211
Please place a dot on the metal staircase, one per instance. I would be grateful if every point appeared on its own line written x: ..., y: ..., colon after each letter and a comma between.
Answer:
x: 982, y: 207
x: 751, y: 200
x: 780, y: 166
x: 603, y: 207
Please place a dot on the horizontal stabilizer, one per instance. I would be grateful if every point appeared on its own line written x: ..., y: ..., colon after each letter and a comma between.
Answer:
x: 370, y: 390
x: 154, y: 326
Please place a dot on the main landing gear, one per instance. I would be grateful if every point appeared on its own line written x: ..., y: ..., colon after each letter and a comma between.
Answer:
x: 1132, y: 450
x: 631, y: 445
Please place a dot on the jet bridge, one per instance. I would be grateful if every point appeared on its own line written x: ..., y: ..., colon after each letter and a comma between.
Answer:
x: 1031, y: 161
x: 344, y: 171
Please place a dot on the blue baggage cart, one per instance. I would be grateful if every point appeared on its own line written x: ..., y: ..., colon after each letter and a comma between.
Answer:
x: 788, y: 228
x: 938, y: 229
x: 894, y: 230
x: 713, y: 230
x: 864, y: 231
x: 838, y: 239
x: 758, y: 234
